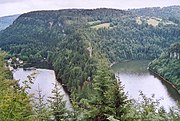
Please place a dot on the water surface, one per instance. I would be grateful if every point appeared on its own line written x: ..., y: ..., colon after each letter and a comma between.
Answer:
x: 44, y: 79
x: 135, y: 77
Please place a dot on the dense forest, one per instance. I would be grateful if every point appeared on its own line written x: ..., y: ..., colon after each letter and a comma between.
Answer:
x: 168, y: 64
x: 165, y: 12
x: 80, y: 45
x: 107, y: 101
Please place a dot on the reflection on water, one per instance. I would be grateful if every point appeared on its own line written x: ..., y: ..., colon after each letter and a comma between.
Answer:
x: 135, y: 77
x: 44, y: 79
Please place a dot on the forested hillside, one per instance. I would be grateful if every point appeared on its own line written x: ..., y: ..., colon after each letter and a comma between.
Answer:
x: 119, y: 37
x: 71, y: 40
x: 107, y: 102
x: 80, y: 44
x: 168, y: 64
x: 6, y: 21
x: 54, y: 36
x: 169, y: 12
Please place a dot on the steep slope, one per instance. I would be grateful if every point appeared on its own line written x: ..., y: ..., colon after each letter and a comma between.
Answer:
x: 165, y: 12
x: 127, y: 40
x: 54, y: 36
x: 6, y: 21
x: 79, y: 43
x: 72, y: 40
x: 168, y: 64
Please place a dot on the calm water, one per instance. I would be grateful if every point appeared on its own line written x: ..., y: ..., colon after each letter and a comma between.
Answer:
x: 44, y: 79
x: 135, y: 77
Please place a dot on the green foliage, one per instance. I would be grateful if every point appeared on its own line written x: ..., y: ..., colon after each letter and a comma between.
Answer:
x: 168, y: 64
x: 148, y: 109
x: 165, y: 12
x: 119, y: 101
x: 108, y: 99
x: 65, y: 40
x: 76, y: 113
x: 14, y: 100
x: 57, y: 105
x: 129, y: 40
x: 72, y: 64
x: 42, y: 112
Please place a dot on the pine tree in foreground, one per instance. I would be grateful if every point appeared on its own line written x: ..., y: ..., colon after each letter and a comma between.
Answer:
x: 41, y: 110
x: 119, y: 101
x: 57, y: 105
x: 109, y: 99
x: 15, y: 102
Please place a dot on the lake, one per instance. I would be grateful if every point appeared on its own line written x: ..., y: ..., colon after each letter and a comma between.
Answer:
x: 44, y: 79
x: 135, y: 77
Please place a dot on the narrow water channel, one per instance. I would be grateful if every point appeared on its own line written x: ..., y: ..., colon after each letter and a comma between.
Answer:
x: 135, y: 77
x: 44, y: 79
x: 133, y: 74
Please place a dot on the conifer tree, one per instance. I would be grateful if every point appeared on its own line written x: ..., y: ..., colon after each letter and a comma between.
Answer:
x: 41, y: 110
x: 99, y: 105
x: 15, y: 103
x: 109, y: 100
x: 119, y: 101
x: 76, y: 111
x: 57, y: 105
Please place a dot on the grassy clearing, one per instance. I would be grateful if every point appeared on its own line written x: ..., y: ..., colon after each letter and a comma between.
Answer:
x: 153, y: 22
x: 94, y: 22
x: 138, y: 20
x: 104, y: 25
x: 169, y: 23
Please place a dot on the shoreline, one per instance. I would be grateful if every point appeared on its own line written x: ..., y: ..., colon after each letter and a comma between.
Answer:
x: 163, y: 79
x: 158, y: 75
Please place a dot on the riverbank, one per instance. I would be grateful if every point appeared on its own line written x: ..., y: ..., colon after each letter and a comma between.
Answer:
x: 41, y: 64
x: 135, y: 77
x: 165, y: 80
x: 43, y: 79
x: 64, y: 86
x: 44, y: 64
x: 152, y: 71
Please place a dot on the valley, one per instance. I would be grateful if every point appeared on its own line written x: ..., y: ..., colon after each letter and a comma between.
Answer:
x: 81, y: 44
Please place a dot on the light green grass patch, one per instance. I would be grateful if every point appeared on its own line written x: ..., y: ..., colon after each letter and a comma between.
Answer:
x: 138, y: 20
x: 104, y: 25
x: 94, y: 22
x: 153, y: 22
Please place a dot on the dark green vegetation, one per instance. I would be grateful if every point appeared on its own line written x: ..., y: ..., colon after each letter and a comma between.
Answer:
x: 131, y: 66
x: 14, y: 101
x: 80, y: 44
x: 17, y: 105
x: 6, y: 21
x: 168, y: 64
x: 128, y: 40
x: 171, y: 12
x: 107, y: 102
x: 65, y: 39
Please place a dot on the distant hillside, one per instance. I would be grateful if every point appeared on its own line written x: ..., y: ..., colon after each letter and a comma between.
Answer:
x: 70, y: 39
x: 81, y: 43
x: 171, y: 12
x: 6, y: 21
x: 73, y: 40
